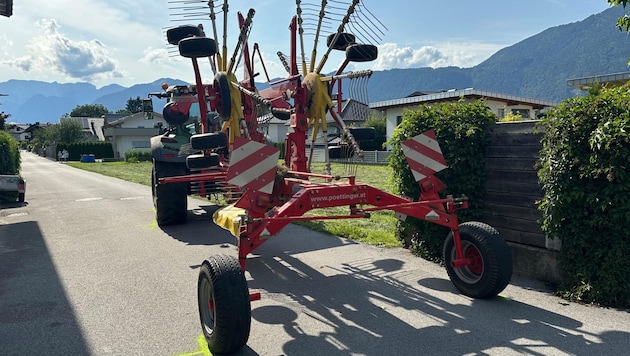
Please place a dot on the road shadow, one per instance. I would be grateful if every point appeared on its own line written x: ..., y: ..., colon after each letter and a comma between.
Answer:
x: 199, y: 228
x: 10, y: 204
x: 355, y: 305
x: 36, y: 316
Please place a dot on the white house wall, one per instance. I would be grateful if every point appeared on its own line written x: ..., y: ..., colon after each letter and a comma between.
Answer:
x: 126, y: 143
x: 141, y: 122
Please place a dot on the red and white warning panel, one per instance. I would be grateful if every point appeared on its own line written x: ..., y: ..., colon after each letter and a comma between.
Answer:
x: 424, y: 155
x: 253, y: 165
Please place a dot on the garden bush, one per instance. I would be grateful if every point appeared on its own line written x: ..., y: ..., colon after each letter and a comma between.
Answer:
x: 586, y: 194
x: 9, y: 154
x: 459, y: 128
x: 136, y: 155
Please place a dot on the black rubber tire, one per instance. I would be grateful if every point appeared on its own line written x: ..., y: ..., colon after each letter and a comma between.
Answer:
x: 21, y: 197
x: 176, y: 34
x: 363, y: 133
x: 343, y: 41
x: 361, y: 53
x: 493, y: 268
x: 173, y: 118
x: 197, y: 47
x: 339, y: 152
x: 208, y: 141
x: 224, y: 306
x: 170, y: 200
x: 222, y: 85
x: 201, y: 161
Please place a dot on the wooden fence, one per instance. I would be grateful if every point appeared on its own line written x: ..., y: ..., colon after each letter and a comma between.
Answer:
x: 512, y: 187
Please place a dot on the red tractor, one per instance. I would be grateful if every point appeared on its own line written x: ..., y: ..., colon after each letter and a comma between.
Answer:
x: 229, y: 155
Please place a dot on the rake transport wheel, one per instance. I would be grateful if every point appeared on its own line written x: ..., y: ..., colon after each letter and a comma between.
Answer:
x: 224, y: 305
x: 176, y: 34
x: 490, y: 267
x: 197, y: 47
x: 170, y: 200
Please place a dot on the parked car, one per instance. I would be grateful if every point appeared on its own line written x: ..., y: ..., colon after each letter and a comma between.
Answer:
x: 13, y: 183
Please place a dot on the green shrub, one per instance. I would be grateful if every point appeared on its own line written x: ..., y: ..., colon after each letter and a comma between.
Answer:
x: 584, y: 175
x: 9, y: 154
x: 459, y: 128
x: 136, y: 155
x: 280, y: 146
x: 380, y: 126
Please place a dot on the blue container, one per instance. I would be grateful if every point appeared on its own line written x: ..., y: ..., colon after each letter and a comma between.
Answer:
x: 91, y: 158
x: 84, y: 158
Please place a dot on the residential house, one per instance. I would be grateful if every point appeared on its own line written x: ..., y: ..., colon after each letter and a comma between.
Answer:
x: 91, y: 126
x: 132, y: 132
x: 587, y: 83
x: 500, y: 104
x: 20, y: 132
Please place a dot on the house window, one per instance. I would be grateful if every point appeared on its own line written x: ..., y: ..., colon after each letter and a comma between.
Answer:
x: 523, y: 112
x: 141, y: 144
x: 501, y: 113
x: 398, y: 120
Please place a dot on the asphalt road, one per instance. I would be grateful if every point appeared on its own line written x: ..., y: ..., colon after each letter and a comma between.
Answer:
x: 85, y: 270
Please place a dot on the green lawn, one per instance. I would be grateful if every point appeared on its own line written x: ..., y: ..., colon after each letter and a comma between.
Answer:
x: 377, y: 230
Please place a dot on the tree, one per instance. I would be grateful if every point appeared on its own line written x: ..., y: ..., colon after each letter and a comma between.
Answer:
x: 623, y: 22
x: 3, y: 120
x: 67, y: 131
x: 89, y: 110
x: 380, y: 126
x: 134, y: 105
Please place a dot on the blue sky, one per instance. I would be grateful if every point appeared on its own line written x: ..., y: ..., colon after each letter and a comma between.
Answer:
x: 123, y: 42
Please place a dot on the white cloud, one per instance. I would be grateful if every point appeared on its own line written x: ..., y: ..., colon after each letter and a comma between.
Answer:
x: 52, y: 51
x: 155, y: 55
x: 459, y: 54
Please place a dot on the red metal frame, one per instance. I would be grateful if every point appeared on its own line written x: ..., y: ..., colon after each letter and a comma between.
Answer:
x: 297, y: 193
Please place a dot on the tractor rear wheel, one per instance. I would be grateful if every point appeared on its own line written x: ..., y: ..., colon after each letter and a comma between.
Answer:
x: 170, y: 200
x: 224, y: 306
x: 490, y: 268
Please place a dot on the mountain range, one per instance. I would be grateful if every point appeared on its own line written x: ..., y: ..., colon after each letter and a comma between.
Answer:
x: 537, y: 67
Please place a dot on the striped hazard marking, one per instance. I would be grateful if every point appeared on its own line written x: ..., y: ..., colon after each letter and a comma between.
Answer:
x: 424, y: 155
x: 253, y: 165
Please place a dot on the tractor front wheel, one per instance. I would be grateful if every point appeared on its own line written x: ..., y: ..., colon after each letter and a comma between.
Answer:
x: 170, y: 200
x: 489, y: 267
x: 224, y: 305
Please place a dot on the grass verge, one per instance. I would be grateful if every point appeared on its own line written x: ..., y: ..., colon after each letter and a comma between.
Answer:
x: 378, y: 230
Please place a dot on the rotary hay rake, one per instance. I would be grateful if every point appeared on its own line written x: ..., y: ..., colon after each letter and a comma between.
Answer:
x: 230, y: 151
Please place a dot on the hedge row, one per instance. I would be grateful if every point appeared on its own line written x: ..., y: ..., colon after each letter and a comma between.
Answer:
x: 585, y: 176
x: 9, y: 154
x: 459, y: 128
x: 136, y: 155
x: 99, y: 149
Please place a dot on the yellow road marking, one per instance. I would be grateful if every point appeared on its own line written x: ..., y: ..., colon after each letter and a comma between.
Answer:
x: 203, y: 348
